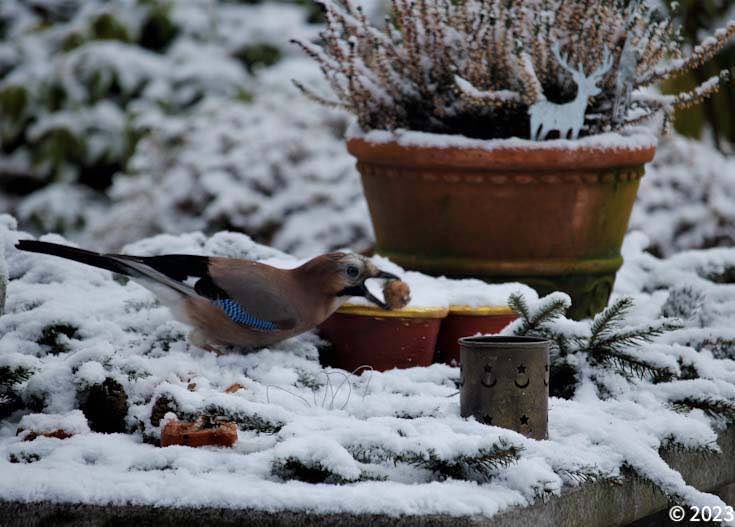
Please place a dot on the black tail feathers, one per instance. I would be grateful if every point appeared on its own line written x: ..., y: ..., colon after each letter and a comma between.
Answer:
x: 175, y: 266
x: 79, y: 255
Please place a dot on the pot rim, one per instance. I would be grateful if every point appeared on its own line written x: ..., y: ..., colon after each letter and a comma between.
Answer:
x: 377, y: 312
x: 470, y: 311
x: 503, y: 341
x: 505, y: 155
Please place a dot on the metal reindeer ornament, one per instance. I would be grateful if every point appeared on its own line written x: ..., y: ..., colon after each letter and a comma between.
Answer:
x: 568, y: 118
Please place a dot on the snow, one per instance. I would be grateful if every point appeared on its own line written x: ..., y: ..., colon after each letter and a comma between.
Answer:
x: 443, y: 292
x: 633, y: 139
x: 224, y: 147
x: 350, y: 425
x: 686, y: 198
x: 220, y: 146
x: 500, y: 95
x: 72, y: 423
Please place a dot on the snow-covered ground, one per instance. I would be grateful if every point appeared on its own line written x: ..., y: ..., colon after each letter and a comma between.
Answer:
x: 374, y: 441
x: 124, y: 136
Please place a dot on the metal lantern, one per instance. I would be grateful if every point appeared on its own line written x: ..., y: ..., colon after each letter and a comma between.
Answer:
x: 504, y: 381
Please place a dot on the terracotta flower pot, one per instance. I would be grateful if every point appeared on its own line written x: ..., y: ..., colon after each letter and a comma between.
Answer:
x: 199, y: 433
x: 368, y: 336
x: 550, y: 216
x: 466, y: 321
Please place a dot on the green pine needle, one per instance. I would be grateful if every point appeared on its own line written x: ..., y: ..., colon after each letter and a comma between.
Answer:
x: 548, y: 310
x: 629, y: 366
x: 611, y: 318
x: 478, y: 467
x: 12, y: 376
x: 713, y: 407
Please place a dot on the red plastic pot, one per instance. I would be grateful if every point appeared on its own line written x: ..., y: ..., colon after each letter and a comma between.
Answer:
x: 383, y: 340
x: 465, y: 321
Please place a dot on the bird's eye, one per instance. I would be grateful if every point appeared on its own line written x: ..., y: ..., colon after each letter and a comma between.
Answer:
x: 352, y: 271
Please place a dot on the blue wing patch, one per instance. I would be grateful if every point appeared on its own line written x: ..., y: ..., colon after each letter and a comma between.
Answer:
x: 239, y: 315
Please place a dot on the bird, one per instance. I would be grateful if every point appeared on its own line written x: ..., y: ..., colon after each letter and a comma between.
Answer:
x: 232, y: 302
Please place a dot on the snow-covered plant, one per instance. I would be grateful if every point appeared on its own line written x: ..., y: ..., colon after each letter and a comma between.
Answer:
x: 478, y: 467
x: 120, y: 120
x: 406, y: 429
x: 474, y: 67
x: 686, y: 199
x: 608, y: 341
x: 714, y: 407
x: 278, y: 172
x: 10, y: 378
x: 685, y: 303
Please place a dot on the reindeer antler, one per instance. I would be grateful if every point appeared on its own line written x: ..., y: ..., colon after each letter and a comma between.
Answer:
x: 578, y: 72
x: 563, y: 60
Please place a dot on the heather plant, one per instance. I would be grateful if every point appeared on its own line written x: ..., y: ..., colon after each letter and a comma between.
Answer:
x: 474, y: 67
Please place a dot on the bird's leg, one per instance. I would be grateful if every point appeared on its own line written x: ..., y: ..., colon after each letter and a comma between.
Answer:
x: 197, y: 339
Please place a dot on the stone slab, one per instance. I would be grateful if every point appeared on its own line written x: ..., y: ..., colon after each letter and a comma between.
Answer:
x: 592, y: 504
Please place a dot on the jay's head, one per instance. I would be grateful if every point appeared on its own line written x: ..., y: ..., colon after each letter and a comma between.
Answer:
x: 344, y: 274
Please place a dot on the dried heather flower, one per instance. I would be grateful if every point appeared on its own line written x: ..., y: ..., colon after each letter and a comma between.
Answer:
x: 474, y: 67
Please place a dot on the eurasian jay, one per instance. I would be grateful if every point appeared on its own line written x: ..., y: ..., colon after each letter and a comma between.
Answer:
x: 238, y: 302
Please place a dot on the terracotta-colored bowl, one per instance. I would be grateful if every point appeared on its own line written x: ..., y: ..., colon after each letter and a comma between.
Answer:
x: 195, y: 435
x: 383, y: 340
x: 465, y: 321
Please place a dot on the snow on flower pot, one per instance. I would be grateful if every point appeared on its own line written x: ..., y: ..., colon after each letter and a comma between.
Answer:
x: 504, y: 381
x: 370, y: 336
x: 466, y: 321
x: 202, y: 432
x: 551, y: 215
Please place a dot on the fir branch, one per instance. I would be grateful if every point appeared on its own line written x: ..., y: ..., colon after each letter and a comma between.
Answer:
x: 293, y: 468
x: 610, y: 318
x: 481, y: 466
x: 533, y: 321
x: 12, y: 376
x: 670, y: 444
x: 608, y: 344
x: 713, y: 407
x: 634, y: 336
x: 549, y: 310
x: 244, y: 421
x: 518, y: 304
x: 627, y: 365
x: 585, y: 475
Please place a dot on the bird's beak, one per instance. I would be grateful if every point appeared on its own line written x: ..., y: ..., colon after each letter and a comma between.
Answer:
x: 372, y: 298
x: 386, y: 275
x: 377, y: 273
